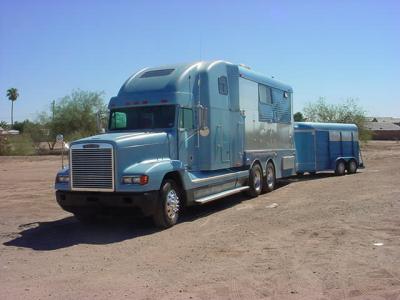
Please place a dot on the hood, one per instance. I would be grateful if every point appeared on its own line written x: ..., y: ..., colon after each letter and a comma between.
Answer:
x: 134, y: 147
x: 128, y: 139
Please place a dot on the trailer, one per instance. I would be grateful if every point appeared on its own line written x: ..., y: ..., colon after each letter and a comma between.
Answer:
x: 327, y: 147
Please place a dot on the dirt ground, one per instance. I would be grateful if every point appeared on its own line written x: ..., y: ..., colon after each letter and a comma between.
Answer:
x: 328, y: 238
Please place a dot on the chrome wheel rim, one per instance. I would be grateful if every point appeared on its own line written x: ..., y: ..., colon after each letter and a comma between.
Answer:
x: 270, y: 177
x: 172, y: 204
x: 257, y: 180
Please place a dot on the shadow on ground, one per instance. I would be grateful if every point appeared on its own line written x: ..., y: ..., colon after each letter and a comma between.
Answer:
x: 67, y: 232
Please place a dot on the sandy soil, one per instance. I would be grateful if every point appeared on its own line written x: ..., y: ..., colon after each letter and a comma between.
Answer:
x: 318, y: 243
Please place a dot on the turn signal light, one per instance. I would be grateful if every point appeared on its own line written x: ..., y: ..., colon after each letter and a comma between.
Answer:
x: 137, y: 179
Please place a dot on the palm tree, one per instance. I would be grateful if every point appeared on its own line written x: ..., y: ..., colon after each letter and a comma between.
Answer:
x: 12, y: 95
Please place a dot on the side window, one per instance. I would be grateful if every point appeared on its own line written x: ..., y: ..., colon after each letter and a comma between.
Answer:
x: 277, y: 95
x: 186, y: 118
x: 223, y: 85
x: 118, y: 120
x: 264, y: 94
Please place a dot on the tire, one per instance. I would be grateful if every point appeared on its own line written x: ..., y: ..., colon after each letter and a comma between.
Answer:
x: 168, y: 206
x: 255, y: 181
x: 352, y: 166
x: 312, y: 173
x: 340, y: 169
x: 269, y: 181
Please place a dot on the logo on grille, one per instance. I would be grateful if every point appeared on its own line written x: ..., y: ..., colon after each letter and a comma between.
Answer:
x: 91, y: 146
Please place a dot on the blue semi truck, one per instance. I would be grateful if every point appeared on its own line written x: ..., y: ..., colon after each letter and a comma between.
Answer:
x: 187, y: 134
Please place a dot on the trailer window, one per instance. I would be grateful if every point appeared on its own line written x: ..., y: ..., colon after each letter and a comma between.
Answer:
x: 186, y: 118
x: 223, y: 85
x: 144, y: 117
x: 264, y: 94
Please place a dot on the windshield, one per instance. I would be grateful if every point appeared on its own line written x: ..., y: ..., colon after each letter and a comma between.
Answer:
x: 145, y: 117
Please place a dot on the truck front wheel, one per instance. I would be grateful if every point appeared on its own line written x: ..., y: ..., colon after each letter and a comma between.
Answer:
x: 168, y: 205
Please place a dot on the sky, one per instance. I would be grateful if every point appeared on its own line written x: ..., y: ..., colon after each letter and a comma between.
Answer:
x: 332, y: 49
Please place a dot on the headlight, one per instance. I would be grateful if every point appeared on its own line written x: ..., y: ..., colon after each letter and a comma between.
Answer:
x: 62, y: 179
x: 136, y: 179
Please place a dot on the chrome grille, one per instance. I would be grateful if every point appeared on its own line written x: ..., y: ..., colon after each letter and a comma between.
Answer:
x: 92, y: 167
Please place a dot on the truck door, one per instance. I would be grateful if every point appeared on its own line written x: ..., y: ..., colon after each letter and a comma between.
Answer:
x: 221, y: 108
x: 186, y: 136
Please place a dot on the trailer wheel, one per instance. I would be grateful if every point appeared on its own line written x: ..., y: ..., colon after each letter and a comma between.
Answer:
x: 168, y: 206
x: 255, y: 181
x: 270, y: 179
x: 352, y: 166
x: 340, y: 169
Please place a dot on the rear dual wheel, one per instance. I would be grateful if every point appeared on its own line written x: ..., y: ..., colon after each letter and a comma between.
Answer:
x: 255, y: 181
x: 258, y: 183
x: 270, y: 179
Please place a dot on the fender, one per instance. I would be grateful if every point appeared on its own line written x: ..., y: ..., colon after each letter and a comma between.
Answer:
x: 156, y: 170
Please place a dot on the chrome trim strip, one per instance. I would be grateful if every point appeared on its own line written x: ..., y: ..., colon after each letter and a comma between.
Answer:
x: 219, y: 177
x: 221, y: 195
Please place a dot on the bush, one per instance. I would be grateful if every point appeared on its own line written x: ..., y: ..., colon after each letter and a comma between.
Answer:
x: 348, y: 112
x: 4, y: 145
x: 20, y: 145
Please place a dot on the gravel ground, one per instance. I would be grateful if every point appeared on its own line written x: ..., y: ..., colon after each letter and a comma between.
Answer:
x: 327, y: 238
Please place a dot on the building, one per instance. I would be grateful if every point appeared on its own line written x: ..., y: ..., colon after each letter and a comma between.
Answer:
x: 8, y: 132
x: 384, y: 128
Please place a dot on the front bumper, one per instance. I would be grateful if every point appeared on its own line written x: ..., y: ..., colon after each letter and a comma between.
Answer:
x: 98, y: 202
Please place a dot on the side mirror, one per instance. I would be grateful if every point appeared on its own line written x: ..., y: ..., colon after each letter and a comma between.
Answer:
x: 202, y: 116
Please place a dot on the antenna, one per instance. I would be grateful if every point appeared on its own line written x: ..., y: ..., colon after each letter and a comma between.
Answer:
x: 201, y: 46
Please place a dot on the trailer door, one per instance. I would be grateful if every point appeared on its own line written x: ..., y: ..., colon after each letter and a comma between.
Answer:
x: 305, y: 150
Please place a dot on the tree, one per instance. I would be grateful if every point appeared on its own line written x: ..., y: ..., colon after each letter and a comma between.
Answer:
x: 4, y: 125
x: 21, y: 126
x: 12, y: 95
x: 348, y: 112
x: 74, y: 116
x: 298, y: 117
